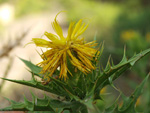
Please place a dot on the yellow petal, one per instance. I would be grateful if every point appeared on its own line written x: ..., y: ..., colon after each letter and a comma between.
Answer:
x: 51, y: 36
x: 77, y: 63
x: 63, y: 67
x: 42, y: 43
x: 70, y: 30
x: 85, y: 61
x: 55, y: 40
x: 79, y: 29
x: 77, y: 26
x: 86, y: 51
x: 57, y: 28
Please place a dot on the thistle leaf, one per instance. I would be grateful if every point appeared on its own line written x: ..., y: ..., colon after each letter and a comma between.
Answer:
x: 46, y: 104
x: 129, y: 102
x: 38, y: 85
x: 116, y: 71
x: 33, y: 68
x: 36, y: 104
x: 114, y: 107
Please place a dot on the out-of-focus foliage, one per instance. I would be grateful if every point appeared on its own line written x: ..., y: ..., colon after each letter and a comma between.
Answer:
x: 26, y: 7
x: 102, y: 15
x: 2, y: 1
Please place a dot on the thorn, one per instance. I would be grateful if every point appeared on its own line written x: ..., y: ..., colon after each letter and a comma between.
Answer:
x: 112, y: 62
x: 33, y: 78
x: 108, y: 62
x: 125, y: 50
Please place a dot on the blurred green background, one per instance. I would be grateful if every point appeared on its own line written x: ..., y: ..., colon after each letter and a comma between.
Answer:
x: 119, y: 23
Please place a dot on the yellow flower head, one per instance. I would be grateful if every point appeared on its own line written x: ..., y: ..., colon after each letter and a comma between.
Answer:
x: 80, y: 54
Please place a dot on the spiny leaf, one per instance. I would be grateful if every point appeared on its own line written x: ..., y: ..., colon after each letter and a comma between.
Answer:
x: 29, y: 105
x: 46, y: 104
x: 34, y: 105
x: 129, y: 102
x: 116, y: 71
x: 37, y: 85
x: 34, y: 68
x: 102, y: 80
x: 114, y: 107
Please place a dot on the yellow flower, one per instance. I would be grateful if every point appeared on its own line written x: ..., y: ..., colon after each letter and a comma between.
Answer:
x: 128, y: 35
x: 80, y: 54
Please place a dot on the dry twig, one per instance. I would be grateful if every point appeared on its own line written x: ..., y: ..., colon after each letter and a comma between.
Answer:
x: 7, y: 48
x: 4, y: 52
